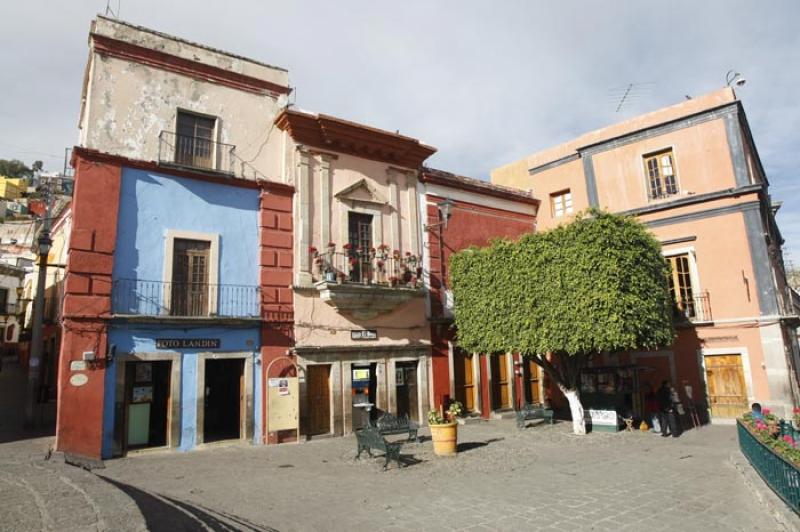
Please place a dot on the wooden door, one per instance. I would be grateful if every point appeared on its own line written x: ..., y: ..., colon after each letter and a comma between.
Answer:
x: 727, y: 392
x: 501, y: 383
x: 190, y: 266
x: 319, y: 399
x: 464, y: 379
x: 532, y: 380
x: 194, y: 143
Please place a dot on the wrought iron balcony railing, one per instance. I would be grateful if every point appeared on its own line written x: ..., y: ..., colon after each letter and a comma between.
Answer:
x: 195, y: 152
x: 694, y: 309
x: 200, y: 153
x: 367, y: 268
x: 135, y: 297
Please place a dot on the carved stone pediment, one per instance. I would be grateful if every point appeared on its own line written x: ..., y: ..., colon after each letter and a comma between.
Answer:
x: 361, y: 192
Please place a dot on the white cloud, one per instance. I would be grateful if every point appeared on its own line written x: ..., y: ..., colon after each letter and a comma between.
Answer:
x: 485, y: 82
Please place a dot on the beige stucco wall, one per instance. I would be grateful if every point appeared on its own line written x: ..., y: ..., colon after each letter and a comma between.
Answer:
x: 129, y: 104
x: 320, y: 325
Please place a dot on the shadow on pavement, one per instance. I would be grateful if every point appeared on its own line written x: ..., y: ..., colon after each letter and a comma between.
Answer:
x: 13, y: 392
x: 167, y: 514
x: 468, y: 446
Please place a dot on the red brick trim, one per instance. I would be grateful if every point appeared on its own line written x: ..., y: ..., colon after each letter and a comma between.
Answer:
x: 118, y: 160
x: 179, y: 65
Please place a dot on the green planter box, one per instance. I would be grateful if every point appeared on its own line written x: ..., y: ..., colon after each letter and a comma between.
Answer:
x: 780, y: 474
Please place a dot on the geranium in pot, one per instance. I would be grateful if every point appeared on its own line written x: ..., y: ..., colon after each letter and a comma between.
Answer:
x: 444, y: 429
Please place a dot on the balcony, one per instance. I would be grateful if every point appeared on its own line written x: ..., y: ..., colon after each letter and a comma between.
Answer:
x: 366, y: 284
x: 694, y: 309
x: 198, y: 301
x: 204, y: 155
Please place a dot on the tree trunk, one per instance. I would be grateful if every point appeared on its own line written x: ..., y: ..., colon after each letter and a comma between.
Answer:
x: 576, y: 409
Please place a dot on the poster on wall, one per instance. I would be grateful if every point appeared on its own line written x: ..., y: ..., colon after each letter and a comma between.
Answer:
x: 144, y: 372
x: 142, y: 394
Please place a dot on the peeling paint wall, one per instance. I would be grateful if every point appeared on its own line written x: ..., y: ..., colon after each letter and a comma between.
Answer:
x: 129, y: 103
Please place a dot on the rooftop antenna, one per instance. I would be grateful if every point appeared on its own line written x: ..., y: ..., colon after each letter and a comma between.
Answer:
x: 110, y: 11
x: 624, y: 95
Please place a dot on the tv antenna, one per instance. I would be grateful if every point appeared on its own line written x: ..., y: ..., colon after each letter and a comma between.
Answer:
x: 110, y: 11
x: 627, y: 94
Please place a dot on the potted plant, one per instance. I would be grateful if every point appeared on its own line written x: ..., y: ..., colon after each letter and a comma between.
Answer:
x: 444, y: 429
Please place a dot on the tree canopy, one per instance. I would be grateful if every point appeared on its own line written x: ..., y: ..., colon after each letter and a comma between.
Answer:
x: 598, y: 284
x: 16, y: 168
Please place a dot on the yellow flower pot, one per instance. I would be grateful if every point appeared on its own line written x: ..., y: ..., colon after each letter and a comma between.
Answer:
x: 445, y: 438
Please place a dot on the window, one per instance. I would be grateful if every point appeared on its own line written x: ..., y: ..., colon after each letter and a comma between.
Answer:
x: 662, y: 180
x: 561, y: 203
x: 680, y: 285
x: 359, y: 233
x: 190, y: 267
x: 194, y: 140
x: 4, y: 307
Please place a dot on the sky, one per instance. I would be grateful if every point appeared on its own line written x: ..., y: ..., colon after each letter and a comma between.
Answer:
x: 486, y: 82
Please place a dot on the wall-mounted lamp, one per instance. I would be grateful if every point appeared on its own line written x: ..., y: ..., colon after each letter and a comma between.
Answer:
x: 445, y: 212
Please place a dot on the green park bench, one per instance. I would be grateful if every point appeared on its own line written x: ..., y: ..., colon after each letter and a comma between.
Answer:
x: 389, y: 424
x: 370, y: 438
x: 533, y: 411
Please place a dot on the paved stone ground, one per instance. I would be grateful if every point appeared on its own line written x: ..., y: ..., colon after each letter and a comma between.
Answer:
x: 543, y: 478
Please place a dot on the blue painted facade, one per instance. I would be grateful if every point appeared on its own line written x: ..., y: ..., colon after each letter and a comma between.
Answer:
x: 151, y: 204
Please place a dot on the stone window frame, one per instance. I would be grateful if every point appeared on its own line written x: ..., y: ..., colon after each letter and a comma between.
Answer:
x: 213, y: 264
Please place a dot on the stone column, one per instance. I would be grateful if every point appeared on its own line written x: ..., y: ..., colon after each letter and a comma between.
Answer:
x: 394, y: 204
x: 304, y: 219
x: 325, y: 178
x: 413, y: 214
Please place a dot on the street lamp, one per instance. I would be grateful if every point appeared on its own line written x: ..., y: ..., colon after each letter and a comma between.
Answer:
x: 44, y: 243
x: 445, y: 212
x: 734, y: 78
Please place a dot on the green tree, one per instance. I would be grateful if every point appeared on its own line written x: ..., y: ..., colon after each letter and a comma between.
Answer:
x: 598, y: 284
x: 14, y: 168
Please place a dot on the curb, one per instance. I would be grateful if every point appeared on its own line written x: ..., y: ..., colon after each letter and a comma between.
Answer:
x: 785, y: 517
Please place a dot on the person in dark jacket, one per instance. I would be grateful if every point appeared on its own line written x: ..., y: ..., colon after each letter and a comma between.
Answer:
x: 664, y: 398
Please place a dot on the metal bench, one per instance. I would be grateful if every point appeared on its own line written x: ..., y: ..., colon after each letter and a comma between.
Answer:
x: 533, y: 411
x: 390, y: 424
x: 370, y: 438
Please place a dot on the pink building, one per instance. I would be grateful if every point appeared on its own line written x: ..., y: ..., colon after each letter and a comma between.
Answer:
x: 691, y: 173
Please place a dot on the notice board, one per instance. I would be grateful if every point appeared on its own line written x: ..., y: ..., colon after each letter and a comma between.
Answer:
x: 283, y: 401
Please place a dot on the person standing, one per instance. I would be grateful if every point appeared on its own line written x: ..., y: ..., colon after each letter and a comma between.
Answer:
x: 664, y: 398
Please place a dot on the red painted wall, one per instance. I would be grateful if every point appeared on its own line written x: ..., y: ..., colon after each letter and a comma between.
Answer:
x: 469, y: 225
x: 87, y: 303
x: 277, y: 298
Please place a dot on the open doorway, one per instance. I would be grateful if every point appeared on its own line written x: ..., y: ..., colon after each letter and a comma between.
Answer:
x: 147, y: 398
x: 406, y: 386
x: 223, y: 402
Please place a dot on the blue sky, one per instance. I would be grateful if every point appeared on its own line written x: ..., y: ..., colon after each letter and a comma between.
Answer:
x: 485, y: 82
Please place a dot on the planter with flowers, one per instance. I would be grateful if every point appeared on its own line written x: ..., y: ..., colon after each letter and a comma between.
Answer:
x: 444, y: 429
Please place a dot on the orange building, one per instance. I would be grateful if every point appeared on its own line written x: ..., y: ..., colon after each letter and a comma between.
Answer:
x: 690, y: 172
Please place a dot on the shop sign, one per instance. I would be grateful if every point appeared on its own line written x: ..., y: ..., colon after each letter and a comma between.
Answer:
x: 364, y: 334
x: 603, y: 417
x: 188, y: 343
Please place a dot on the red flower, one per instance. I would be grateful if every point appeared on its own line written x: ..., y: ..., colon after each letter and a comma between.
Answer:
x: 331, y: 244
x: 312, y: 249
x: 408, y: 253
x: 765, y: 411
x: 347, y: 246
x: 796, y: 410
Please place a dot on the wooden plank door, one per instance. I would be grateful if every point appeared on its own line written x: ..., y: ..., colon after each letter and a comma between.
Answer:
x: 532, y: 381
x: 319, y: 399
x: 464, y: 379
x: 501, y: 383
x: 727, y: 392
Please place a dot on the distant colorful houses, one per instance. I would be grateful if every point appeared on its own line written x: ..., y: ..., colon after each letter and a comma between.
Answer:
x: 217, y: 233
